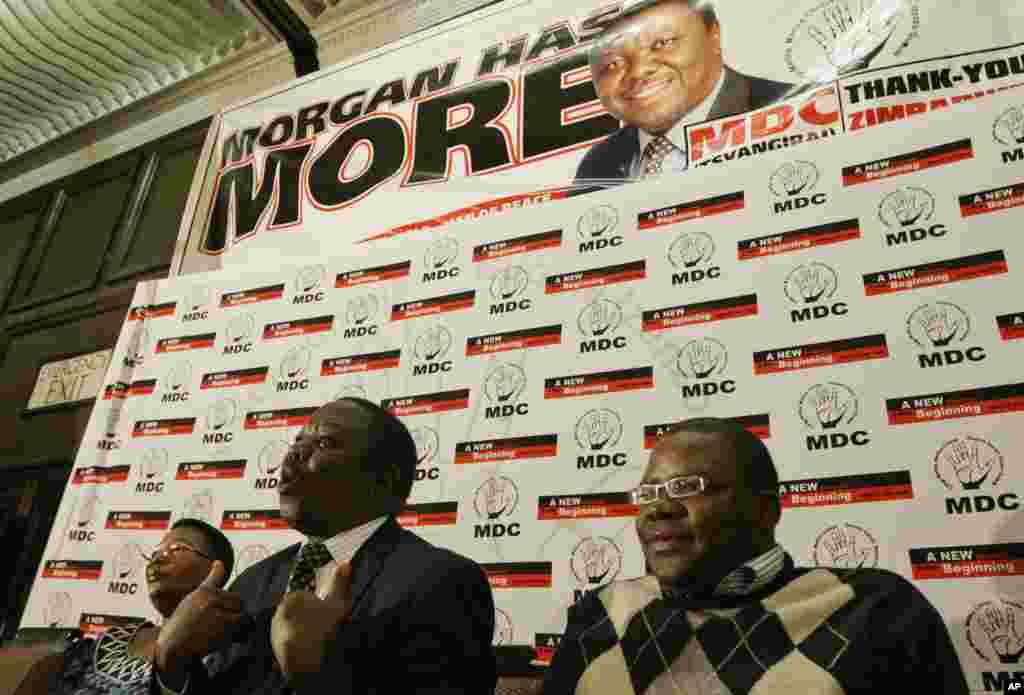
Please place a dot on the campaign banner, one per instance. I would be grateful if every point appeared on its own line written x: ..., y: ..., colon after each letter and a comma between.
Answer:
x: 870, y: 339
x: 529, y: 102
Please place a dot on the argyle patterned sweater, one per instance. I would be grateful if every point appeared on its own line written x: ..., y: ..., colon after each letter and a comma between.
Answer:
x: 816, y: 631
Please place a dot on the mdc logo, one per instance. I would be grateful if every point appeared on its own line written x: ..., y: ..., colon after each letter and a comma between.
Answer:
x: 249, y: 556
x: 427, y: 442
x: 812, y: 286
x: 309, y: 284
x: 137, y: 348
x: 59, y: 610
x: 175, y: 387
x: 597, y: 433
x: 239, y: 334
x: 972, y: 464
x: 430, y: 349
x: 598, y: 322
x: 595, y: 562
x: 691, y: 254
x: 847, y: 546
x: 293, y: 372
x: 152, y: 464
x: 503, y: 387
x: 940, y: 330
x: 993, y: 632
x: 831, y: 408
x: 596, y: 229
x: 1008, y: 131
x: 85, y: 514
x: 703, y: 361
x: 268, y: 463
x: 360, y: 315
x: 125, y: 570
x: 195, y: 305
x: 217, y: 422
x: 908, y: 213
x: 508, y: 287
x: 440, y: 260
x: 496, y: 499
x: 795, y: 182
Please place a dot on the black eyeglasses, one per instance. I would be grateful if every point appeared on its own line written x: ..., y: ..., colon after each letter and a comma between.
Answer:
x: 678, y: 488
x: 171, y: 550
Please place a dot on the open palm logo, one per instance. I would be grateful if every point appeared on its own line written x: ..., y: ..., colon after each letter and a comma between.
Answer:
x: 200, y: 506
x: 702, y: 358
x: 351, y: 391
x: 906, y: 207
x: 221, y: 414
x: 503, y: 630
x: 598, y: 430
x: 85, y: 513
x: 126, y: 562
x: 793, y: 179
x: 309, y: 278
x: 432, y: 344
x: 995, y: 630
x: 826, y: 406
x: 295, y: 363
x: 359, y: 311
x: 597, y: 222
x: 271, y: 457
x: 495, y: 498
x: 1008, y: 129
x: 58, y: 611
x: 240, y: 329
x: 690, y: 250
x: 937, y: 325
x: 138, y: 346
x: 153, y: 463
x: 811, y: 283
x: 600, y: 317
x: 846, y: 546
x: 595, y: 561
x: 427, y: 443
x: 178, y: 378
x: 842, y: 36
x: 197, y: 299
x: 969, y: 462
x: 509, y: 283
x: 441, y: 254
x: 505, y: 383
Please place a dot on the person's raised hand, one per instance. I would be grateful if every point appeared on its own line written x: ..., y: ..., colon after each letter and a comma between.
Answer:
x: 304, y: 624
x: 204, y: 619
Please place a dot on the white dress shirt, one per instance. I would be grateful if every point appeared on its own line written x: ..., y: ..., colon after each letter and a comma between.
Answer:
x: 343, y: 547
x: 677, y: 161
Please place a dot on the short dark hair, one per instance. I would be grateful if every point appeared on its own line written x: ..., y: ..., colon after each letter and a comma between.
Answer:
x: 389, y: 444
x: 219, y: 545
x: 705, y: 8
x: 753, y: 458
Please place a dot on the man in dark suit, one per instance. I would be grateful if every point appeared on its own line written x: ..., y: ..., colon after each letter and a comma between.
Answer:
x: 658, y: 68
x: 360, y: 606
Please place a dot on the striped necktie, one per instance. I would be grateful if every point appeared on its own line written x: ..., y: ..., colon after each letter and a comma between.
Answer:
x: 312, y: 557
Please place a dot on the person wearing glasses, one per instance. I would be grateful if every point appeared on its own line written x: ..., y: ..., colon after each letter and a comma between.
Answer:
x: 724, y: 609
x: 119, y: 661
x: 361, y: 605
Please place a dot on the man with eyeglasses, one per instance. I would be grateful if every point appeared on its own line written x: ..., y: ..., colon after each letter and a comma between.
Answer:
x: 724, y: 610
x: 360, y: 605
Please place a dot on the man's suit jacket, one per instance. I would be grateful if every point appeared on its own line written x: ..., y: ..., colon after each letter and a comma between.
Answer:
x: 422, y: 622
x: 608, y: 162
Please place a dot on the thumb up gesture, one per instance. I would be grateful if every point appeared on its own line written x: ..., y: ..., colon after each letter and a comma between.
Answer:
x: 304, y: 624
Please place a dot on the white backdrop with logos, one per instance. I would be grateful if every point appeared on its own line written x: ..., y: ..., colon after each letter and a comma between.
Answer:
x: 851, y: 302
